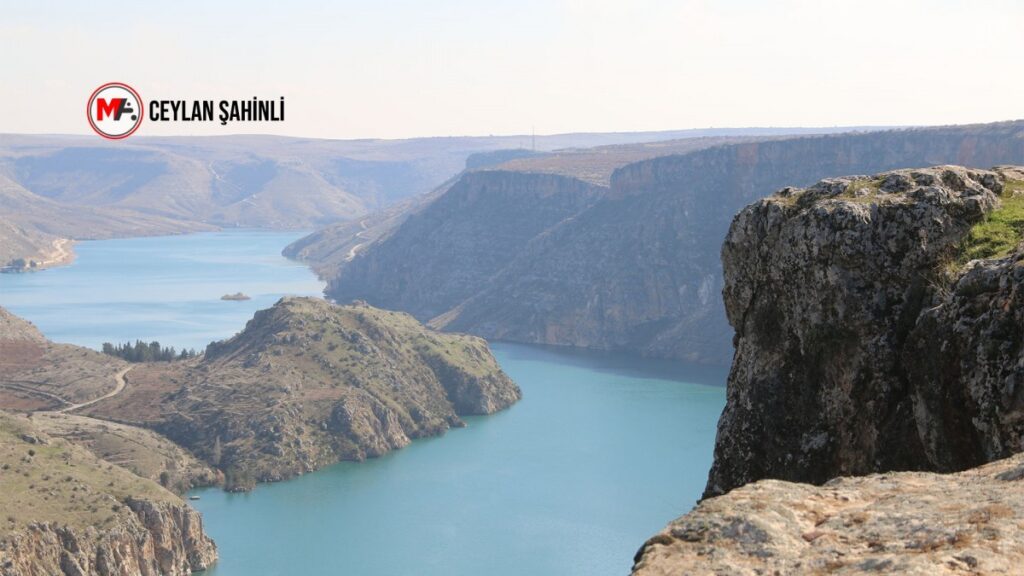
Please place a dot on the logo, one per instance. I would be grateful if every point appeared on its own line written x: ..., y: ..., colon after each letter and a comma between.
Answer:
x: 115, y: 110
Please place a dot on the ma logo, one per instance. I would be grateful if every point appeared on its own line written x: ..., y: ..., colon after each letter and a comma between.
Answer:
x: 115, y: 110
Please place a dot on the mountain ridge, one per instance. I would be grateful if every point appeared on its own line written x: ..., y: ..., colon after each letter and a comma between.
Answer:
x: 639, y: 269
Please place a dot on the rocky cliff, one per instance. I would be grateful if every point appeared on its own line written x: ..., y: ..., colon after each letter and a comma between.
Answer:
x: 67, y: 512
x: 307, y: 384
x: 463, y: 238
x: 866, y: 338
x: 636, y: 268
x: 902, y: 523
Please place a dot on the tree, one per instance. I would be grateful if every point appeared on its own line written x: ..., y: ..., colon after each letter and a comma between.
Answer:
x: 143, y: 352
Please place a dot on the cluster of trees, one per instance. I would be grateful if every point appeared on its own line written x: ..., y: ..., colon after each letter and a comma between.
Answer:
x: 143, y: 352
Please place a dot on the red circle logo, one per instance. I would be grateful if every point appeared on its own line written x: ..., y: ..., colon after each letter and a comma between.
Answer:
x: 114, y: 110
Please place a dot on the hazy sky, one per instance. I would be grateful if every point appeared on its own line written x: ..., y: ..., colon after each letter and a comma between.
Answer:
x: 396, y: 68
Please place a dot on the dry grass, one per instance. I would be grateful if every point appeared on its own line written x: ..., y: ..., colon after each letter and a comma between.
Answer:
x: 61, y: 483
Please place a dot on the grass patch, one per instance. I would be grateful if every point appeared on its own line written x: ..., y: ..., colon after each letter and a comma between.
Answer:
x: 1001, y: 230
x: 873, y: 186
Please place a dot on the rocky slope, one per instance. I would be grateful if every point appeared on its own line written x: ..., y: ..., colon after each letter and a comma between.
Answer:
x: 329, y: 250
x: 67, y: 512
x: 48, y: 380
x: 903, y: 523
x: 36, y: 374
x: 463, y: 238
x: 307, y: 384
x: 636, y: 268
x: 865, y: 339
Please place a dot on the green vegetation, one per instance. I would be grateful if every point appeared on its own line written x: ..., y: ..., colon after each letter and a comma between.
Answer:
x: 1001, y: 231
x: 873, y: 186
x: 142, y: 352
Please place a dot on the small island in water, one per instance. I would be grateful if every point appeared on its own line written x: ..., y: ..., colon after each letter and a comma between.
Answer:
x: 238, y: 296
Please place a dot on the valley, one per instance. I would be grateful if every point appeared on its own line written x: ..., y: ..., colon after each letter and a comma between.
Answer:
x: 576, y: 288
x: 166, y: 425
x: 535, y: 251
x: 326, y: 392
x: 61, y: 188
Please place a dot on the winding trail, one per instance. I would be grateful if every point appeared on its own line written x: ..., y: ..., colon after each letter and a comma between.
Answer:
x: 352, y: 251
x: 61, y: 246
x: 121, y: 383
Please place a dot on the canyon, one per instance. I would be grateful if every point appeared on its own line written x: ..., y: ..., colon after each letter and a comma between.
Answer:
x: 584, y: 250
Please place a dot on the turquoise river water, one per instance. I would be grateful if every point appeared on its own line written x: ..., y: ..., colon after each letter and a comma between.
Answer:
x: 602, y: 451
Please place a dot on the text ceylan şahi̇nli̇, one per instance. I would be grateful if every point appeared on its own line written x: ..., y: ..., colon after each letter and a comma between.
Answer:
x: 225, y: 111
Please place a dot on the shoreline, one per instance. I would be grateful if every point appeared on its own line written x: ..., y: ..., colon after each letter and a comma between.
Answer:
x: 59, y: 254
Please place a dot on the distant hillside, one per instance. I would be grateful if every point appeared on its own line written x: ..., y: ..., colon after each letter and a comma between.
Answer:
x: 636, y: 269
x: 36, y: 230
x: 329, y: 250
x: 307, y: 384
x: 79, y: 188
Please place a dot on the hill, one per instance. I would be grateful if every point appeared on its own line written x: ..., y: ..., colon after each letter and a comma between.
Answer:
x: 635, y: 268
x: 68, y: 512
x: 36, y: 374
x: 81, y: 188
x: 307, y: 384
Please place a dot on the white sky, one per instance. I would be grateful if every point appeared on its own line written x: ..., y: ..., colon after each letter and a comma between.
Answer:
x: 398, y: 68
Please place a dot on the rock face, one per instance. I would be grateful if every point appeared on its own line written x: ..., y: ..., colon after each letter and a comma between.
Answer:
x: 904, y: 523
x: 67, y: 512
x: 307, y: 384
x: 464, y: 237
x: 863, y: 341
x: 636, y: 266
x: 157, y: 540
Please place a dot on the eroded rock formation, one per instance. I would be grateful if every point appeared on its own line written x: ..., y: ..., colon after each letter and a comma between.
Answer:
x: 863, y: 342
x: 903, y: 523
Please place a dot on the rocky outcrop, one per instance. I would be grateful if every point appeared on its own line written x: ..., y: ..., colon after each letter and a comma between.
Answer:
x: 637, y: 268
x: 964, y: 361
x: 69, y: 513
x: 154, y: 540
x: 901, y: 523
x: 863, y: 341
x: 307, y: 384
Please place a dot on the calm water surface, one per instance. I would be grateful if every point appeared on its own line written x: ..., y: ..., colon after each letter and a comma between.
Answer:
x: 165, y: 288
x: 602, y: 451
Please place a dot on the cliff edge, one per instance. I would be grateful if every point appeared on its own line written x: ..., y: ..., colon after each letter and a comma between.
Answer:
x: 879, y: 328
x: 67, y: 512
x: 904, y: 523
x: 866, y: 340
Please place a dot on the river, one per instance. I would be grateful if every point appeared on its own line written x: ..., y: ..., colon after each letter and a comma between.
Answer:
x: 602, y: 451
